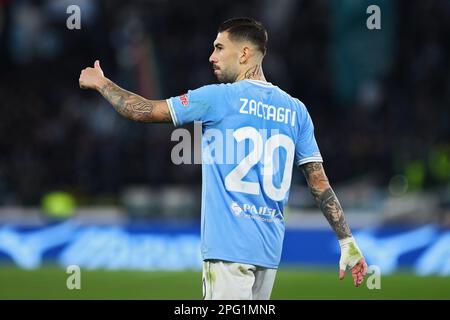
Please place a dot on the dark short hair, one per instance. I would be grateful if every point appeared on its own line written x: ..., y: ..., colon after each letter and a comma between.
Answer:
x: 246, y: 29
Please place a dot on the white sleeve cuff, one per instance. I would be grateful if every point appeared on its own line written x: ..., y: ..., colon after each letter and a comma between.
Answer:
x: 309, y: 159
x: 172, y: 112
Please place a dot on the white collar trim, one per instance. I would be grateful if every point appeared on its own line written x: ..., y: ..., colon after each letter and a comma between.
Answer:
x: 260, y: 82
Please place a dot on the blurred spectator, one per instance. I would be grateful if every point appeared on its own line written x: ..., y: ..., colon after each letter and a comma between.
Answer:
x: 55, y: 136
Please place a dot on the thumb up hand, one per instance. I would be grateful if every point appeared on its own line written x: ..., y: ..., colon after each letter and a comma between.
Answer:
x: 92, y: 78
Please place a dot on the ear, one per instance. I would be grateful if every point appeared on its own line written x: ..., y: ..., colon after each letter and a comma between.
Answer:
x: 245, y: 55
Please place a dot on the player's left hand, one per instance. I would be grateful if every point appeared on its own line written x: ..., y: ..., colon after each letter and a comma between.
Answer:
x: 352, y: 258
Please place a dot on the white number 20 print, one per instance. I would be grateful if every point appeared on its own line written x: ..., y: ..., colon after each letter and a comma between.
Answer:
x: 234, y: 180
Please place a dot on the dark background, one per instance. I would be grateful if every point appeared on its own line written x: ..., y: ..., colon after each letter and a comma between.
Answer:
x: 379, y: 99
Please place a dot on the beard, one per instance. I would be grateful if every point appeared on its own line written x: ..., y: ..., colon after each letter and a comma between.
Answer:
x: 225, y: 77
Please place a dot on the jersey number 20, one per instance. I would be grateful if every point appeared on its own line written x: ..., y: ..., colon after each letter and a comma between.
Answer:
x: 234, y: 182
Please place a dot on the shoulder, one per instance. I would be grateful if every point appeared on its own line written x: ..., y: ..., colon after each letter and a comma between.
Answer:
x: 295, y: 103
x: 211, y: 92
x: 297, y: 106
x: 302, y: 107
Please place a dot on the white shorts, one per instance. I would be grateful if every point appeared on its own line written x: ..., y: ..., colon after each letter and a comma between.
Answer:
x: 224, y: 280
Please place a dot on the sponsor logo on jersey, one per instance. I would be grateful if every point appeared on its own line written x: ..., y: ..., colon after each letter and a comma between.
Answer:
x: 262, y: 213
x: 236, y: 209
x: 184, y: 100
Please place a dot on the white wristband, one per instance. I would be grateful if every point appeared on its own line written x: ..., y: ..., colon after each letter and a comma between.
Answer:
x: 346, y: 241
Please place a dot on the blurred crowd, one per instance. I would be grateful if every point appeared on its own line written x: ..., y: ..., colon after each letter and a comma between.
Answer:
x: 380, y: 99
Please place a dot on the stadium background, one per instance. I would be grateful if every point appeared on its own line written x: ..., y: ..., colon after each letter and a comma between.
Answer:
x: 81, y: 185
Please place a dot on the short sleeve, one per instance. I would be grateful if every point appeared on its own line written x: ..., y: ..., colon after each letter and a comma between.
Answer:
x: 306, y: 148
x: 196, y: 105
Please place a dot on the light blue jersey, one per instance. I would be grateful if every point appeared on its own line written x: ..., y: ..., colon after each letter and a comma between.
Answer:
x: 252, y: 135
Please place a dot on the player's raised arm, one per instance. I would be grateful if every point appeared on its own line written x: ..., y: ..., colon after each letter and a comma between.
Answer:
x: 128, y: 104
x: 327, y: 201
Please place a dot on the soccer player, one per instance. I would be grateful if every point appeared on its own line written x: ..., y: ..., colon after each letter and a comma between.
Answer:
x: 242, y: 222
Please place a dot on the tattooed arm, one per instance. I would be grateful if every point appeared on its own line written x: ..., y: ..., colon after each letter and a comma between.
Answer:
x: 133, y: 106
x: 128, y: 104
x: 326, y: 198
x: 351, y: 256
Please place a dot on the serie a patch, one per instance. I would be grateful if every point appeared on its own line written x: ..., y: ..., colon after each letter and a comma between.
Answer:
x: 184, y: 100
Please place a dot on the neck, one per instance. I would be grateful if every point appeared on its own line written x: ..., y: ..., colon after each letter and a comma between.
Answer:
x: 255, y: 72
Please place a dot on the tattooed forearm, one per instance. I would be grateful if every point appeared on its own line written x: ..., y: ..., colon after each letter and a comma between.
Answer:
x: 326, y: 198
x: 131, y: 105
x: 126, y: 103
x: 166, y: 116
x: 332, y: 210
